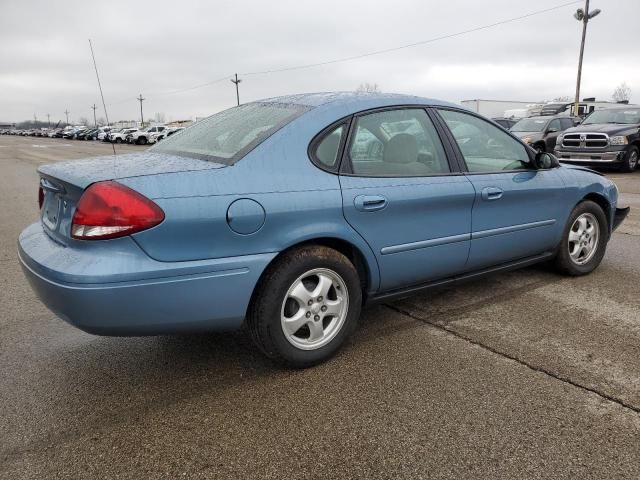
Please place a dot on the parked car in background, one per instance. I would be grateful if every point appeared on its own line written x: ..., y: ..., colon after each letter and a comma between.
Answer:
x: 606, y: 138
x: 505, y: 123
x: 72, y: 132
x: 142, y: 137
x: 88, y: 134
x: 541, y: 132
x: 167, y: 132
x: 103, y: 132
x: 121, y: 135
x: 266, y: 216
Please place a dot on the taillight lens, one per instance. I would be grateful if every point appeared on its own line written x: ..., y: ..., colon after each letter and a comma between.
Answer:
x: 109, y: 210
x: 40, y: 196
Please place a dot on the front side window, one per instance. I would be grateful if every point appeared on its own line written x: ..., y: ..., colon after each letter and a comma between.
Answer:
x: 485, y: 147
x: 554, y: 125
x: 566, y: 123
x: 326, y: 151
x: 397, y: 143
x: 229, y: 135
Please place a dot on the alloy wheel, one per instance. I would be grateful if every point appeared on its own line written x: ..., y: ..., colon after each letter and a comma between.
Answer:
x: 584, y: 238
x: 314, y: 309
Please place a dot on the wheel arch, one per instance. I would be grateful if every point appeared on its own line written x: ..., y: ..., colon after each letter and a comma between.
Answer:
x: 367, y: 271
x: 603, y: 202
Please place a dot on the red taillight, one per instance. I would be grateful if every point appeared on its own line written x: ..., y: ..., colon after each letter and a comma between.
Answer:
x: 40, y: 196
x: 109, y: 210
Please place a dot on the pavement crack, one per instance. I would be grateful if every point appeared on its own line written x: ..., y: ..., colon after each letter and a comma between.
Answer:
x: 535, y: 368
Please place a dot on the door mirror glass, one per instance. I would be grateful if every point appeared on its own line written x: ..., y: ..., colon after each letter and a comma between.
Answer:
x: 545, y: 161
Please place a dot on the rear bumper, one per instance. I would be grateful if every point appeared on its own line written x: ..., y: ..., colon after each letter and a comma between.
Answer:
x: 114, y: 288
x: 619, y: 216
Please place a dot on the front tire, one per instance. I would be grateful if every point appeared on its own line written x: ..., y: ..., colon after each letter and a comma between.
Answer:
x: 584, y: 240
x: 631, y: 159
x: 142, y: 141
x: 306, y: 305
x: 118, y: 140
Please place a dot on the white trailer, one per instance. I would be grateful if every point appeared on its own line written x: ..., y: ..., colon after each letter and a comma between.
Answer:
x: 495, y: 108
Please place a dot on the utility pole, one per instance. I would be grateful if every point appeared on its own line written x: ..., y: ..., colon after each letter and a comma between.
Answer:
x: 582, y: 16
x: 48, y: 121
x: 95, y: 122
x: 67, y: 112
x: 140, y: 99
x: 236, y: 81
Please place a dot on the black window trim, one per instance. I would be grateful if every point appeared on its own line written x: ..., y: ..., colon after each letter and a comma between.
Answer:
x: 320, y: 136
x: 530, y: 152
x: 346, y: 168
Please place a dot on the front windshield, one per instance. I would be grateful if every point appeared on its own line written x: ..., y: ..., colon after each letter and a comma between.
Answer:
x: 229, y: 135
x: 614, y: 115
x: 529, y: 125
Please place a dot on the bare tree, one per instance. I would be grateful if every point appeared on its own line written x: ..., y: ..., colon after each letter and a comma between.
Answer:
x: 563, y: 98
x: 368, y: 88
x: 621, y: 93
x: 159, y: 117
x: 83, y: 121
x: 101, y: 121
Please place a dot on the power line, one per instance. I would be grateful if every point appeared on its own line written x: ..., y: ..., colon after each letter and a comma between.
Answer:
x: 368, y: 54
x: 414, y: 44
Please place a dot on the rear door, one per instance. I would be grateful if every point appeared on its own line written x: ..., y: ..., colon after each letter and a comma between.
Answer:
x: 405, y: 197
x: 518, y: 211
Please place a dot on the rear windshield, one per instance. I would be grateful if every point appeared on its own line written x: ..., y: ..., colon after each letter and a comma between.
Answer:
x: 228, y: 136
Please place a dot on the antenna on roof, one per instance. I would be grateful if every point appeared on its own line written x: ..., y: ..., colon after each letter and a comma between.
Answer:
x: 95, y: 66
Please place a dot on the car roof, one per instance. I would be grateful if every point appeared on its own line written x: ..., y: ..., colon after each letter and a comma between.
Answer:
x: 356, y: 100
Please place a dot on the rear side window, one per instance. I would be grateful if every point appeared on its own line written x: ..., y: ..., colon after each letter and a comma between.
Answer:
x: 326, y: 151
x: 397, y: 143
x: 228, y: 136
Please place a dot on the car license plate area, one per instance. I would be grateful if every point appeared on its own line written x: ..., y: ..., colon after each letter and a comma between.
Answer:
x: 51, y: 211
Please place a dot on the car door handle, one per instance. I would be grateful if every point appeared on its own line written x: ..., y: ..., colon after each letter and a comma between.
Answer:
x: 370, y: 203
x: 491, y: 193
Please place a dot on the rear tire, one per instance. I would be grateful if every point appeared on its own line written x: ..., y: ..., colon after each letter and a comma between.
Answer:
x: 584, y: 240
x: 118, y: 140
x: 306, y: 305
x: 631, y: 159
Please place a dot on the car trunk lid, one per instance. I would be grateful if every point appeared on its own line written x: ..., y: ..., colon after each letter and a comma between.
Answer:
x: 63, y: 183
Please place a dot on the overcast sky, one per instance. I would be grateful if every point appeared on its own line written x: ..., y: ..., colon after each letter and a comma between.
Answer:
x: 158, y: 47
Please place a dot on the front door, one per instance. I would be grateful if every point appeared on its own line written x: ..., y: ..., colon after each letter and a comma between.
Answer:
x: 402, y: 197
x: 517, y: 212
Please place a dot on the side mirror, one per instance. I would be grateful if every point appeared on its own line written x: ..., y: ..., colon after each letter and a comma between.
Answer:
x: 552, y: 130
x: 545, y: 161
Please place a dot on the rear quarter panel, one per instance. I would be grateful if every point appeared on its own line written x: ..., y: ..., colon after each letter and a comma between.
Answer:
x: 301, y: 202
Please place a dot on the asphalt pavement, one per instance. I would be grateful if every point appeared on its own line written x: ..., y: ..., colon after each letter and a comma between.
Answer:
x: 526, y: 374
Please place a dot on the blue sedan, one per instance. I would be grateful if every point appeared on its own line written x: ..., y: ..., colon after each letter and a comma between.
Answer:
x: 284, y: 216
